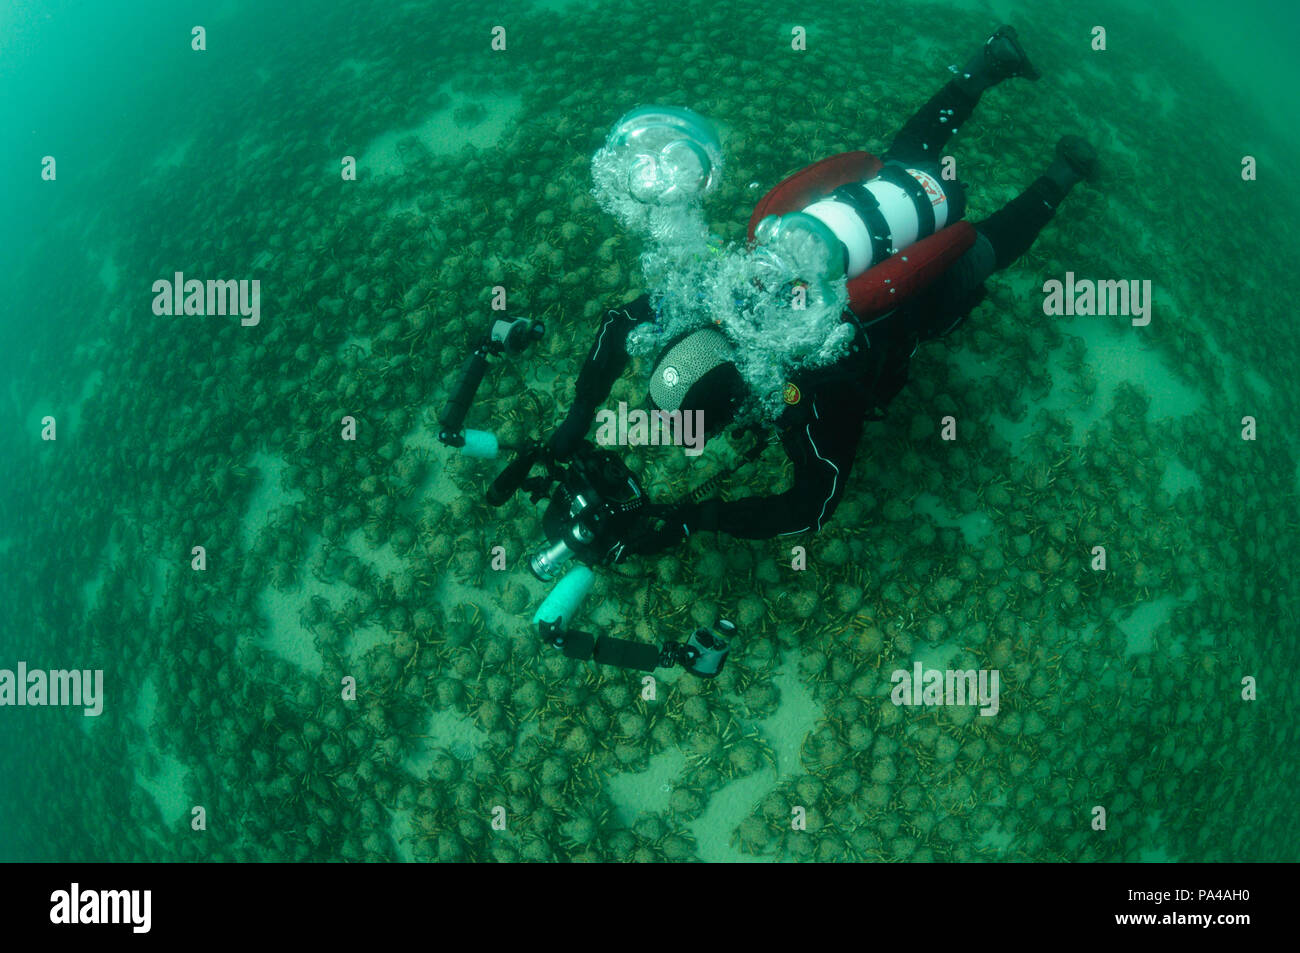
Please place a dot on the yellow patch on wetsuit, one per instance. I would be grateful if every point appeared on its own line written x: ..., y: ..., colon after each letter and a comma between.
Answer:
x: 790, y: 393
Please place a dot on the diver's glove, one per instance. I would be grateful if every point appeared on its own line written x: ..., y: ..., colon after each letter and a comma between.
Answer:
x: 664, y: 525
x: 570, y: 434
x: 657, y: 529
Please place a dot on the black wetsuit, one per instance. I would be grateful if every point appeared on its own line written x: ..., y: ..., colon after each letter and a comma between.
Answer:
x: 821, y: 433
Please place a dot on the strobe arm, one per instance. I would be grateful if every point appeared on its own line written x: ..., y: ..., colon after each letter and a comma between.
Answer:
x: 452, y: 421
x: 703, y: 654
x: 506, y: 336
x: 605, y: 649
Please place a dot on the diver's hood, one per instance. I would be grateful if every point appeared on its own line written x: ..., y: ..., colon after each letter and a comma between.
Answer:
x: 685, y: 364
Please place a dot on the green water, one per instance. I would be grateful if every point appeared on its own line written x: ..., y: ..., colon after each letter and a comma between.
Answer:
x: 225, y: 734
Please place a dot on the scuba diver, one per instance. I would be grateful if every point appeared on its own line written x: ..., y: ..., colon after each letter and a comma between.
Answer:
x: 911, y: 269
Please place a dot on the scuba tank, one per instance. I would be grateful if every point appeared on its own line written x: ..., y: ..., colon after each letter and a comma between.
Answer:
x: 889, y: 228
x: 883, y: 215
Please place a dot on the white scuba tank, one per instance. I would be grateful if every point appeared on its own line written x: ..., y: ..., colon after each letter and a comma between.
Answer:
x: 875, y: 218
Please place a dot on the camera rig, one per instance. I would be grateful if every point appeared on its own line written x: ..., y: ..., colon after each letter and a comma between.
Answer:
x: 595, y: 505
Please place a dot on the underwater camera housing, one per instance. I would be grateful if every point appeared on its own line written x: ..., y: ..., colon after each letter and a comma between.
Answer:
x: 590, y: 512
x: 593, y: 507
